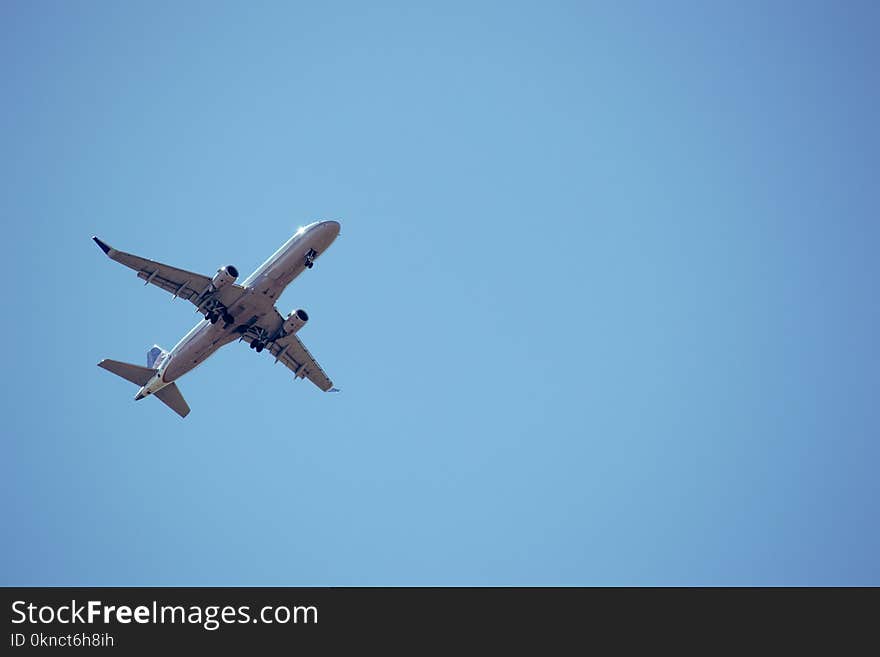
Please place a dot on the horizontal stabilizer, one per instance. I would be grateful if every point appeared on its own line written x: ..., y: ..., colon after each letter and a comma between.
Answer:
x: 171, y: 397
x: 134, y: 373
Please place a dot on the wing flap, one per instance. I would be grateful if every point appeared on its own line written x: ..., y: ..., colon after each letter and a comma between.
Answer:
x: 293, y: 353
x: 176, y: 282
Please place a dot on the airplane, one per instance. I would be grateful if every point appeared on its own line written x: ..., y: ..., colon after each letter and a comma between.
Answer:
x: 247, y: 311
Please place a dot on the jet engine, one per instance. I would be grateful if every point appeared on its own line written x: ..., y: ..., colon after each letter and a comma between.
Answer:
x: 224, y: 276
x: 295, y: 321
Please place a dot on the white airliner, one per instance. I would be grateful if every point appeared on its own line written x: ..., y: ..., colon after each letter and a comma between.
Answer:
x: 232, y: 312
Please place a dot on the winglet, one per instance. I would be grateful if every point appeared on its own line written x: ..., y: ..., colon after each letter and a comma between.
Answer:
x: 334, y: 390
x: 106, y: 248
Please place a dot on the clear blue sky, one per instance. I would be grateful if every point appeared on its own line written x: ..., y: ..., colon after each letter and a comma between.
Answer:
x: 604, y: 308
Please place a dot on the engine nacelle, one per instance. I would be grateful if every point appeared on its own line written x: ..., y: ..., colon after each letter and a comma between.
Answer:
x: 224, y: 276
x: 295, y: 321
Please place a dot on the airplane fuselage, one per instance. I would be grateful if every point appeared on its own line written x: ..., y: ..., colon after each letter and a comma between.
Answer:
x: 256, y: 301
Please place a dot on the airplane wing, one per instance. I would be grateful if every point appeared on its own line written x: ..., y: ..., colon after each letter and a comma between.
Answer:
x: 293, y: 353
x: 188, y: 285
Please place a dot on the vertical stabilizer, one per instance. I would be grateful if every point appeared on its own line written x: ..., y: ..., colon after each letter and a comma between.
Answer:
x: 155, y: 356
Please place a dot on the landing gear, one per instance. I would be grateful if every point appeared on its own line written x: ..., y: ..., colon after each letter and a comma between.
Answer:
x: 214, y: 316
x: 310, y: 258
x: 215, y: 311
x: 260, y: 338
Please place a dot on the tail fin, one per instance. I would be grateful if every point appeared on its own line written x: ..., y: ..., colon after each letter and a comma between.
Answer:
x: 155, y: 356
x: 134, y: 373
x: 171, y: 397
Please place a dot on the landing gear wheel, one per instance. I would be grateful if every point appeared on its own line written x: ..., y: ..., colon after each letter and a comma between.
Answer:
x: 259, y: 347
x: 310, y: 264
x: 213, y: 318
x: 228, y: 320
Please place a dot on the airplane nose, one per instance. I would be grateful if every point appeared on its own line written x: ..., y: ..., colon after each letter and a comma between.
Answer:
x: 331, y: 226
